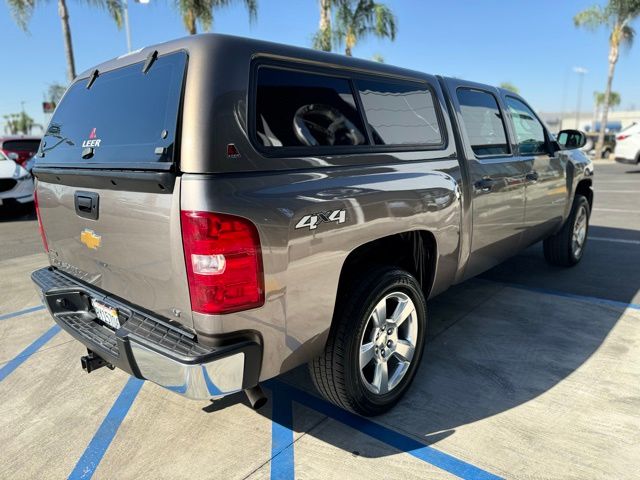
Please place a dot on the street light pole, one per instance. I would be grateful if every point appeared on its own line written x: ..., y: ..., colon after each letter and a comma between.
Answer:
x: 125, y: 14
x: 581, y: 73
x: 125, y: 8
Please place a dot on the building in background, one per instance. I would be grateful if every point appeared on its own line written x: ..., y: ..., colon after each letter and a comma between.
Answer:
x: 617, y: 120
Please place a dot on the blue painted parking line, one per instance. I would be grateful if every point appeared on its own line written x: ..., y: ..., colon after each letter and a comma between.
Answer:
x: 10, y: 366
x: 7, y: 316
x: 392, y: 438
x: 86, y: 466
x: 282, y: 453
x: 573, y: 296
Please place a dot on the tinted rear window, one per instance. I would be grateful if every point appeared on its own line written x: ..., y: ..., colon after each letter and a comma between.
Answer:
x: 21, y: 145
x: 127, y: 116
x: 400, y: 113
x: 299, y: 109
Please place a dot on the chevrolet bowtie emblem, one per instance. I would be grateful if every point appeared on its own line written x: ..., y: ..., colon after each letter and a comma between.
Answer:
x: 90, y: 239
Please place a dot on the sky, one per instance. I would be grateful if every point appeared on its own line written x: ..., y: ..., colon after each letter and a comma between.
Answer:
x: 531, y: 44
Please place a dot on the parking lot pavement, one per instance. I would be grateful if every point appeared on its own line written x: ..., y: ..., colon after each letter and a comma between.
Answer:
x: 530, y: 372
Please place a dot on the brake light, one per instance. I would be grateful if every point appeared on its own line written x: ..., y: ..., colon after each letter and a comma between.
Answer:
x: 622, y: 137
x: 42, y: 234
x: 224, y: 262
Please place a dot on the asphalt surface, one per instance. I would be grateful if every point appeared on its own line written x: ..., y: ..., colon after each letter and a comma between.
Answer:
x: 611, y: 266
x: 531, y: 372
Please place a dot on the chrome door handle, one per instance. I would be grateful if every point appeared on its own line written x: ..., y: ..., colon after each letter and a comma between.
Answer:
x: 485, y: 185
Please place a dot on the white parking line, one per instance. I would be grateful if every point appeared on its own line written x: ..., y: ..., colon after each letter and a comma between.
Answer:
x: 617, y: 191
x: 602, y: 180
x: 619, y: 210
x: 615, y: 240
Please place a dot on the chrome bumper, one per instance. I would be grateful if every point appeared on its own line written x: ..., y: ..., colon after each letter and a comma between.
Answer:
x: 200, y: 381
x: 149, y: 347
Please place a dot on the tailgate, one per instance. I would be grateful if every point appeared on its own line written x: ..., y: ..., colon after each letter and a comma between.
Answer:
x: 108, y: 199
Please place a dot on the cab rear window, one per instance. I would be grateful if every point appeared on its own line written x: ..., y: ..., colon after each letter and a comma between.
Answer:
x: 124, y: 117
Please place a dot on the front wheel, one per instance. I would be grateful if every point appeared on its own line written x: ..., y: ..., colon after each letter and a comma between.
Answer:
x: 566, y: 248
x: 375, y: 344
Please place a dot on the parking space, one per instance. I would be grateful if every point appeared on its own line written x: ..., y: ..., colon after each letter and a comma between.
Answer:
x: 530, y: 372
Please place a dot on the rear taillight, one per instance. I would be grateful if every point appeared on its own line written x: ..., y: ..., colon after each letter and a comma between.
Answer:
x: 224, y: 262
x: 42, y: 234
x: 621, y: 137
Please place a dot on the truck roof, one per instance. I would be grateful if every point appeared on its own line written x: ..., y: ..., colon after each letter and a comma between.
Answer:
x: 210, y: 46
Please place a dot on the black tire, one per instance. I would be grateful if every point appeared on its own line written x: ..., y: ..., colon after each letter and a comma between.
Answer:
x: 559, y: 249
x: 336, y: 373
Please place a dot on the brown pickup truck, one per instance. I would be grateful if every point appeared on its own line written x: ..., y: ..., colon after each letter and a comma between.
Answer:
x: 218, y: 211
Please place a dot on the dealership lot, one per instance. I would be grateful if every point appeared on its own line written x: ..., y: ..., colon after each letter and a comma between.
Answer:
x: 531, y: 372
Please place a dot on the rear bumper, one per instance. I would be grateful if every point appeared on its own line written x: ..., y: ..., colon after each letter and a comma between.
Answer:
x: 149, y: 347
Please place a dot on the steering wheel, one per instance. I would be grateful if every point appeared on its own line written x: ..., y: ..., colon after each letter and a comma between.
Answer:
x: 318, y: 124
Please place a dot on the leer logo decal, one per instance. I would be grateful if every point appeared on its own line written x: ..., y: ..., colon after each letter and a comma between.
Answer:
x: 93, y: 140
x: 90, y: 239
x: 312, y: 221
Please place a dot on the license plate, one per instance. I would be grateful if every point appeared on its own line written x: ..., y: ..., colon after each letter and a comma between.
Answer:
x: 107, y: 314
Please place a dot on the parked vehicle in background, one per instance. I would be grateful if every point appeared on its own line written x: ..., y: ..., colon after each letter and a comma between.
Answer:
x: 628, y: 145
x: 607, y: 149
x: 305, y: 217
x: 16, y: 184
x: 19, y: 148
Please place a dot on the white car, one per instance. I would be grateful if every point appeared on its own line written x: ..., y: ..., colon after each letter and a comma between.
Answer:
x: 16, y: 183
x: 628, y: 145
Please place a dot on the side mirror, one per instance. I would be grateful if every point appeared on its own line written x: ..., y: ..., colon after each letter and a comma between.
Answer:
x: 570, y: 139
x: 13, y: 156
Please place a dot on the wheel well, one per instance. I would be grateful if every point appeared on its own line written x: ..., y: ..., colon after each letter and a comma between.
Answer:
x: 414, y: 251
x: 584, y: 188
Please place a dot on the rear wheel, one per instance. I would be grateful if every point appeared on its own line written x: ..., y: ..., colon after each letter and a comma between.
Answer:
x: 375, y: 344
x: 566, y: 248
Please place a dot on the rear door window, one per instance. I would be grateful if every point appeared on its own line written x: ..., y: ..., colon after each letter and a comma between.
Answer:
x: 483, y: 122
x: 125, y: 117
x: 306, y: 110
x: 399, y: 113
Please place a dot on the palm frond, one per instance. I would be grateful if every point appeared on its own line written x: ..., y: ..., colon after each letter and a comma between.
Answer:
x: 322, y: 40
x: 627, y: 35
x: 21, y: 11
x: 114, y: 7
x: 252, y: 8
x: 116, y: 10
x: 386, y: 22
x: 355, y: 19
x: 592, y: 18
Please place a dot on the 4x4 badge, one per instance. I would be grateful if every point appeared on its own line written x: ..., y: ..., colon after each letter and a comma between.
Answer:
x: 312, y: 221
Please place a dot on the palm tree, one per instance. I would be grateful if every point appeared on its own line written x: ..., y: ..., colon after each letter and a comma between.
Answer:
x: 194, y: 11
x: 355, y: 19
x: 616, y: 16
x: 16, y: 123
x: 21, y: 10
x: 510, y: 86
x: 598, y: 102
x: 322, y: 38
